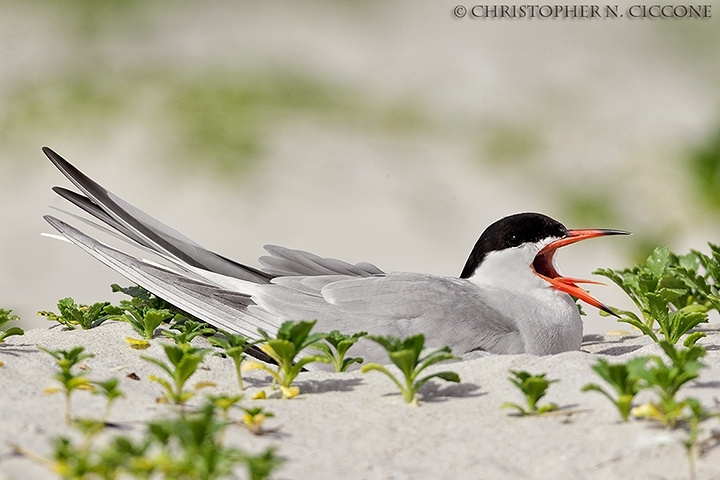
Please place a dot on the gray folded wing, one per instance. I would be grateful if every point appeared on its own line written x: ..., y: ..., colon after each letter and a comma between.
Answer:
x: 448, y: 311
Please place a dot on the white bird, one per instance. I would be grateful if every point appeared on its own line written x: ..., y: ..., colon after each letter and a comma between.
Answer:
x: 508, y: 299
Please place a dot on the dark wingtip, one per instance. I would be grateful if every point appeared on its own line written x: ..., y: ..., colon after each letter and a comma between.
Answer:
x: 53, y: 156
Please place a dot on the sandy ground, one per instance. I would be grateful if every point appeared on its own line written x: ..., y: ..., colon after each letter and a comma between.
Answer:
x: 356, y: 426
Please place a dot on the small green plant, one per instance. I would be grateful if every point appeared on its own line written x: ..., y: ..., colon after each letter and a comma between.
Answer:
x: 143, y: 299
x: 254, y: 418
x: 701, y: 274
x: 187, y: 329
x: 71, y: 461
x: 69, y: 381
x: 5, y: 317
x: 534, y: 387
x: 661, y: 294
x: 405, y: 354
x: 667, y: 380
x: 183, y: 361
x: 340, y: 344
x: 86, y: 316
x: 145, y: 312
x: 261, y: 466
x: 145, y: 322
x: 622, y: 380
x: 224, y: 403
x: 233, y: 346
x: 693, y: 446
x: 110, y: 389
x: 292, y: 338
x: 192, y: 447
x: 189, y: 446
x: 651, y: 372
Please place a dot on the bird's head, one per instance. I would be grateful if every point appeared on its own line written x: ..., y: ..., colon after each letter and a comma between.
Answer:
x: 520, y: 248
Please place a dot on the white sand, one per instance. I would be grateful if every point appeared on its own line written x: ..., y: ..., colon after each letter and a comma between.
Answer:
x: 357, y: 426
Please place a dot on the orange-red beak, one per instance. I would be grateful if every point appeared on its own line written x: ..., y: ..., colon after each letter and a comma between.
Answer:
x: 543, y: 266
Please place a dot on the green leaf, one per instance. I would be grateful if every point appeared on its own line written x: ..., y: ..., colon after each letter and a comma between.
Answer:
x: 691, y: 339
x: 405, y: 360
x: 548, y: 407
x: 447, y: 376
x: 517, y: 407
x: 377, y: 367
x: 657, y: 262
x: 284, y: 349
x: 10, y: 332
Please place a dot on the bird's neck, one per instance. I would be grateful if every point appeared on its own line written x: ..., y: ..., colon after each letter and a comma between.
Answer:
x: 547, y: 319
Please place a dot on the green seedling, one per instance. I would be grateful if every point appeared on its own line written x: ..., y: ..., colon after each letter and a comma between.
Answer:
x: 110, y: 389
x: 254, y: 418
x: 146, y: 312
x: 667, y: 380
x: 224, y: 403
x: 693, y: 446
x: 233, y: 346
x: 187, y: 329
x: 144, y: 300
x: 192, y: 447
x: 340, y: 344
x: 292, y: 338
x: 405, y: 354
x: 534, y: 387
x: 66, y: 360
x: 145, y: 322
x: 184, y: 360
x: 5, y: 317
x: 661, y: 294
x: 71, y: 461
x: 86, y: 316
x: 86, y: 461
x: 189, y: 446
x: 261, y: 466
x: 620, y: 378
x: 126, y: 455
x: 701, y: 274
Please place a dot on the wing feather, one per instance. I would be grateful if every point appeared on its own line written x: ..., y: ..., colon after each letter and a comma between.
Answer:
x: 143, y: 228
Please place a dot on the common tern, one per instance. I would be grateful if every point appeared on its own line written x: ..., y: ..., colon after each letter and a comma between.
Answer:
x: 509, y: 298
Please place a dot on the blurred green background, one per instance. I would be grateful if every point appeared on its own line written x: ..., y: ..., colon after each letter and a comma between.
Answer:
x: 387, y: 132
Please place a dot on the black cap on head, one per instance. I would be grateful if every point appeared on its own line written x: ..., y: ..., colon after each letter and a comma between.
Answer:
x: 512, y: 231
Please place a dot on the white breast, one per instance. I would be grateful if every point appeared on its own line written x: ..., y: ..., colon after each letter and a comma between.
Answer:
x: 548, y: 320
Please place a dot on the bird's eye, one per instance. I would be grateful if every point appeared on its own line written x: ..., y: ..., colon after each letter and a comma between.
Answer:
x: 514, y: 241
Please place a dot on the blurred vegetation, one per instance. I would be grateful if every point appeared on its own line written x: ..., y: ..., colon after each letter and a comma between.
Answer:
x: 509, y: 145
x: 589, y: 207
x: 76, y: 103
x: 704, y: 166
x: 225, y: 118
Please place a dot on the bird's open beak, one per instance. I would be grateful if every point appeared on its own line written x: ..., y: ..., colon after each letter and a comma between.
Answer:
x: 543, y: 266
